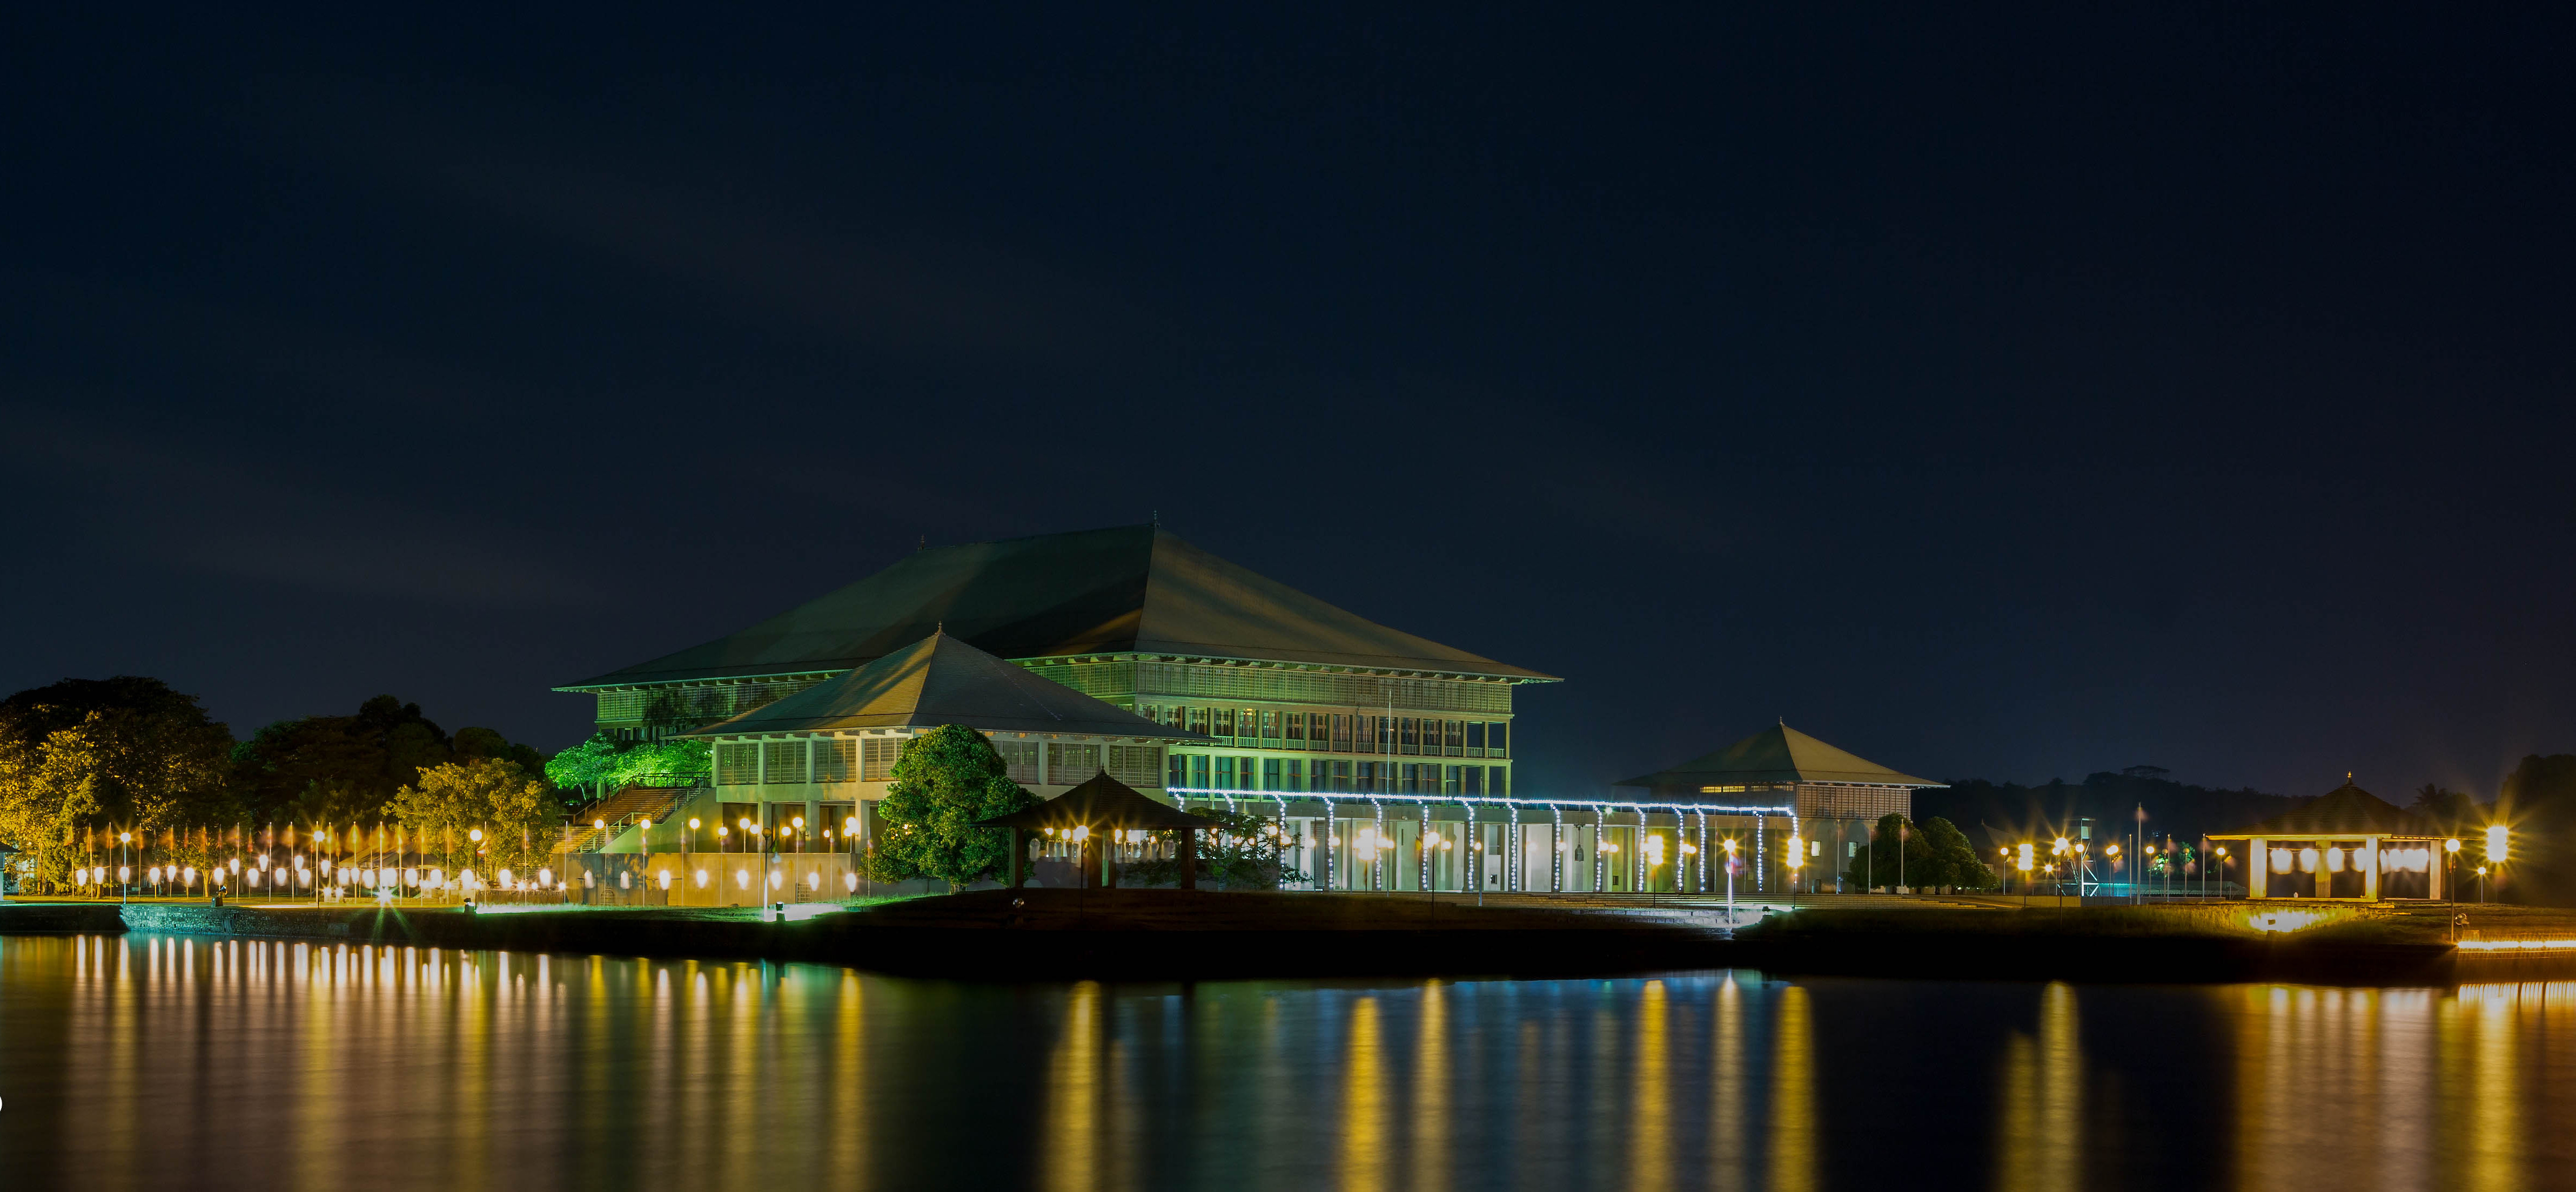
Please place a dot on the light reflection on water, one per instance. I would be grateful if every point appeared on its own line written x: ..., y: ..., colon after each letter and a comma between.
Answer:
x: 162, y: 1062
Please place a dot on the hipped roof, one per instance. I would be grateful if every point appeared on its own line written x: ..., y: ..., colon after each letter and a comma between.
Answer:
x: 2346, y: 810
x: 941, y: 680
x: 1103, y: 804
x: 1776, y: 754
x: 1131, y: 589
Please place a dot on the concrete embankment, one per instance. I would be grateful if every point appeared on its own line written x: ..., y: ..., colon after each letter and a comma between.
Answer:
x: 1184, y: 935
x: 1158, y: 934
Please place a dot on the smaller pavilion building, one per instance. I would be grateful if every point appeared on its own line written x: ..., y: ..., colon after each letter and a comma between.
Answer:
x: 1786, y: 774
x: 2347, y: 845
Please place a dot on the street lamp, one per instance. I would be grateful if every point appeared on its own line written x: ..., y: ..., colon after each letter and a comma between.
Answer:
x: 2450, y: 861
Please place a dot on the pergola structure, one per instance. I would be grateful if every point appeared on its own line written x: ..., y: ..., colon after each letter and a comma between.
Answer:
x: 1090, y: 815
x: 2348, y: 845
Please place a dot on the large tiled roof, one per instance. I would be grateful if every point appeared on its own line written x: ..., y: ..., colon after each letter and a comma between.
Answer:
x: 1776, y: 754
x: 941, y: 680
x: 1131, y: 589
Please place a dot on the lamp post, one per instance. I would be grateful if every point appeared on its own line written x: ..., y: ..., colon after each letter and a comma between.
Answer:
x: 1730, y: 881
x: 124, y: 855
x: 2220, y: 854
x: 2027, y: 859
x: 2495, y: 856
x: 2450, y: 865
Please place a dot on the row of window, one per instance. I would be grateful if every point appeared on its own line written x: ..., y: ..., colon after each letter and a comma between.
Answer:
x: 1334, y: 732
x: 871, y: 759
x: 1201, y: 771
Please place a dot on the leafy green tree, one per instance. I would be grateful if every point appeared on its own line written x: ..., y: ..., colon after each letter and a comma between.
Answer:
x: 344, y: 769
x: 1242, y: 853
x: 126, y: 753
x: 601, y: 765
x: 1955, y: 861
x: 944, y: 780
x: 1877, y: 866
x: 518, y: 814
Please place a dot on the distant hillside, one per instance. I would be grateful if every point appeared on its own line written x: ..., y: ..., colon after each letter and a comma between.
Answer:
x: 1995, y: 814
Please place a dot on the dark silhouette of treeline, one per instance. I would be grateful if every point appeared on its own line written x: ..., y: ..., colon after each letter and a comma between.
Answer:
x: 1996, y: 814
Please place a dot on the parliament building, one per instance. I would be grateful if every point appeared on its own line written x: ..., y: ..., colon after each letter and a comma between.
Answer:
x: 1385, y: 759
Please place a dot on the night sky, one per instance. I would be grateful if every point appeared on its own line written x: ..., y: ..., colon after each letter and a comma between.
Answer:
x: 2013, y: 394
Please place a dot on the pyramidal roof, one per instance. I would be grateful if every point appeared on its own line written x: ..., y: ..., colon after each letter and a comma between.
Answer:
x: 1103, y: 803
x: 941, y: 680
x: 2344, y: 811
x: 1130, y: 589
x: 1777, y: 754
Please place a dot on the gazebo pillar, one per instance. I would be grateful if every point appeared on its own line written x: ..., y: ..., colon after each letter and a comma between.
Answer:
x: 1189, y: 858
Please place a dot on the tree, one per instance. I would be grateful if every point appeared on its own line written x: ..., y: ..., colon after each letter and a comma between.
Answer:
x: 517, y: 813
x: 944, y: 780
x: 1954, y: 859
x: 1241, y: 853
x: 83, y: 754
x: 1877, y: 865
x: 602, y: 764
x: 343, y: 769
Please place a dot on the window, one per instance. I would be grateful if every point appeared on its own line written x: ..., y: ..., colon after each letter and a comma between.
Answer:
x: 1474, y: 778
x: 1498, y: 735
x: 1199, y: 771
x: 1070, y: 764
x: 876, y: 757
x: 784, y: 762
x: 1270, y: 726
x: 1413, y: 779
x: 1022, y: 758
x: 1224, y: 723
x: 1475, y: 738
x: 1136, y: 765
x: 1180, y: 771
x: 1198, y: 720
x: 1498, y: 782
x: 1270, y: 774
x: 1450, y: 785
x: 1296, y: 729
x: 1341, y: 780
x: 1319, y: 731
x: 1341, y: 733
x: 1225, y: 773
x: 1409, y: 733
x: 1456, y: 732
x: 1364, y: 733
x: 836, y: 759
x: 1250, y: 724
x: 737, y: 765
x: 1297, y: 774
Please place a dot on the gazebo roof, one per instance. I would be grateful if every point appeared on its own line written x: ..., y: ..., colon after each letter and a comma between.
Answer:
x: 1776, y: 754
x: 2346, y: 810
x: 942, y: 680
x: 1103, y: 804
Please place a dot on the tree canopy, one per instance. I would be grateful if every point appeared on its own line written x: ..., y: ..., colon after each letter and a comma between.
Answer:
x: 602, y: 764
x: 1934, y: 854
x: 340, y: 769
x: 127, y: 750
x: 518, y: 814
x: 944, y: 780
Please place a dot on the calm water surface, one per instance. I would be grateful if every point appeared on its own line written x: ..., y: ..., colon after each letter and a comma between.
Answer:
x: 181, y: 1063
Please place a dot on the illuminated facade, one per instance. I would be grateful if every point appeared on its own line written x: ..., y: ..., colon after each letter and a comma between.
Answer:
x: 1830, y: 795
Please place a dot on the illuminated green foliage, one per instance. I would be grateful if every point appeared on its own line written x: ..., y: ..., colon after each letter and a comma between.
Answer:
x: 601, y: 765
x: 945, y: 779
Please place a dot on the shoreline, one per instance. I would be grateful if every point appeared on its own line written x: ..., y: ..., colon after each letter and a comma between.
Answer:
x: 1165, y: 935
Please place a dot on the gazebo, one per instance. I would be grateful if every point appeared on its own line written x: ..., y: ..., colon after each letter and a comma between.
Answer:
x: 1102, y: 804
x: 2348, y: 845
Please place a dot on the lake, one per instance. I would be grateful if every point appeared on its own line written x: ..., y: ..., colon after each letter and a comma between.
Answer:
x: 167, y: 1062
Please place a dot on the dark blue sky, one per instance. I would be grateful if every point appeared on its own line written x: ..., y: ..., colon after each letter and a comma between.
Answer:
x: 2001, y: 393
